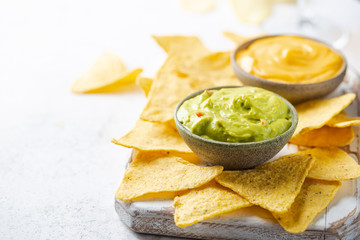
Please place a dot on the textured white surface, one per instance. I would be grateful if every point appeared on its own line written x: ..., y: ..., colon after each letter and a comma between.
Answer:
x: 58, y: 169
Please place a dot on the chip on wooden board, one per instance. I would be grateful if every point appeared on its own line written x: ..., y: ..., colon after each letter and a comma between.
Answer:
x: 149, y: 174
x: 324, y: 137
x: 108, y: 74
x: 205, y: 202
x: 314, y: 196
x: 211, y: 70
x: 169, y: 87
x: 273, y: 185
x: 343, y: 120
x: 153, y: 136
x: 333, y: 164
x: 316, y: 113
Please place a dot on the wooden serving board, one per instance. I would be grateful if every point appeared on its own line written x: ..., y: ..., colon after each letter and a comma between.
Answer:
x: 340, y: 220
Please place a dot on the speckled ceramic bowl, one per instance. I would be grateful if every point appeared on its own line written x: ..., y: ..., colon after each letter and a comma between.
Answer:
x: 235, y: 155
x: 295, y: 93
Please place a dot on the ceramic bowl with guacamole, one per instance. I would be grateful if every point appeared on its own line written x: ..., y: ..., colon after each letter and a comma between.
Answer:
x: 295, y: 67
x: 238, y: 127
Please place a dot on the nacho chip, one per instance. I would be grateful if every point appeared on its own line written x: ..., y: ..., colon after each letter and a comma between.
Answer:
x: 150, y: 175
x: 108, y: 74
x: 206, y: 202
x: 333, y: 164
x: 343, y: 120
x: 316, y: 113
x: 324, y: 137
x: 169, y: 87
x: 273, y: 185
x: 314, y: 196
x: 238, y: 39
x: 144, y: 83
x: 182, y: 45
x: 152, y: 136
x: 212, y: 70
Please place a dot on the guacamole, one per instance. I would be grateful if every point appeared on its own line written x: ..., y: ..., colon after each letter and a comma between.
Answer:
x: 243, y: 114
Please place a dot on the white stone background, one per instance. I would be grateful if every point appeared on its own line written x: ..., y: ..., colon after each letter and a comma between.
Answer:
x: 58, y: 169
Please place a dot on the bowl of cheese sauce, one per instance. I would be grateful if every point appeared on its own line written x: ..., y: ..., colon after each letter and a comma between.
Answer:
x: 295, y: 67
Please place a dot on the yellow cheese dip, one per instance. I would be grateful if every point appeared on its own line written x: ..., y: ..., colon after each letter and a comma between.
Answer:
x: 290, y: 59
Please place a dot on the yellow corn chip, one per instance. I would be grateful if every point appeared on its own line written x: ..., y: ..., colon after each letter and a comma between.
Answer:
x: 325, y: 137
x: 332, y: 164
x: 238, y: 39
x: 343, y: 120
x: 314, y: 196
x: 152, y: 136
x: 149, y: 175
x: 212, y: 70
x: 144, y: 83
x: 206, y: 202
x: 169, y: 87
x: 187, y: 45
x: 273, y: 185
x: 108, y: 74
x: 316, y: 113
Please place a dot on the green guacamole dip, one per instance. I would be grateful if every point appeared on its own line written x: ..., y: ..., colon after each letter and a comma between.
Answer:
x: 243, y: 114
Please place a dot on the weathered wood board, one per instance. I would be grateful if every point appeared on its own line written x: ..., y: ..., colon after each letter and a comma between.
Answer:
x: 340, y: 220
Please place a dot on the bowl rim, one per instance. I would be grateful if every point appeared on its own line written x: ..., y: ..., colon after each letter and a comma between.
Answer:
x: 246, y: 44
x: 292, y: 128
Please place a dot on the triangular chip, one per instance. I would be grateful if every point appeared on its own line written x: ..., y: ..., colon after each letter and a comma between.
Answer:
x: 150, y: 174
x: 182, y: 44
x: 333, y: 164
x: 316, y: 113
x: 169, y: 86
x: 238, y: 39
x: 152, y: 136
x: 343, y: 120
x: 108, y: 74
x: 144, y: 83
x: 273, y: 185
x: 314, y: 196
x: 212, y: 70
x: 206, y: 202
x: 325, y: 137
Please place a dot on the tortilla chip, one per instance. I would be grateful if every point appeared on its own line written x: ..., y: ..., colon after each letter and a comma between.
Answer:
x: 198, y: 6
x: 238, y: 39
x: 206, y: 202
x: 169, y: 87
x: 150, y: 174
x: 325, y: 137
x: 273, y: 185
x: 316, y: 113
x: 182, y: 45
x: 212, y: 70
x: 108, y: 74
x: 314, y: 196
x: 343, y: 120
x: 333, y: 164
x: 152, y: 136
x: 145, y: 84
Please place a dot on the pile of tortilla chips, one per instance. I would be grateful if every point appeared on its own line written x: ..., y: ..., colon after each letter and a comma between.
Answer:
x: 294, y: 188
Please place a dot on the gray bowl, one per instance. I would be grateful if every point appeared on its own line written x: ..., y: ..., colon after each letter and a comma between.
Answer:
x: 295, y: 93
x: 235, y: 155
